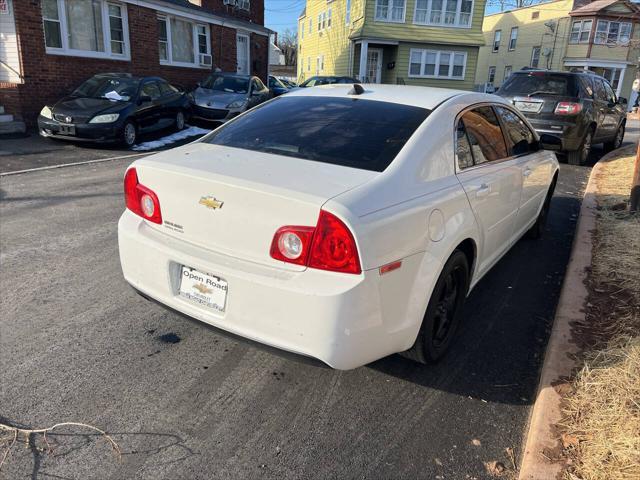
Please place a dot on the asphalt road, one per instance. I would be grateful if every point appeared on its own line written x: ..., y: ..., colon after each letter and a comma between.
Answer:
x: 77, y: 344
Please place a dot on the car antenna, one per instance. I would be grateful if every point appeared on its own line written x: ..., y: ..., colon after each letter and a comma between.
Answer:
x: 356, y: 90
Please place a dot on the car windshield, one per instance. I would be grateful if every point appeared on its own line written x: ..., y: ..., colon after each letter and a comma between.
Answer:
x: 351, y: 132
x: 113, y: 88
x: 226, y: 83
x: 540, y: 83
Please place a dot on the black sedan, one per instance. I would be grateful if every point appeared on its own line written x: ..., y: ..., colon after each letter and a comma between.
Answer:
x: 115, y: 107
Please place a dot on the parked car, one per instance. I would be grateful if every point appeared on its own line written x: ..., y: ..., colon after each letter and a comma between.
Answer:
x: 276, y: 86
x: 336, y: 222
x: 582, y: 108
x: 324, y: 80
x: 222, y: 96
x: 115, y: 107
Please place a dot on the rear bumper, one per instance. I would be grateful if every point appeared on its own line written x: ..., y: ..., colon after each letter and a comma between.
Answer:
x: 335, y: 318
x: 571, y: 133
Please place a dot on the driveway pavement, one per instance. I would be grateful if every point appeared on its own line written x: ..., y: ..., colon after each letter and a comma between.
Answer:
x: 184, y: 402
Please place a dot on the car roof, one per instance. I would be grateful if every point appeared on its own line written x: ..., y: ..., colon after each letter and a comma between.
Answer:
x: 425, y: 97
x: 231, y: 74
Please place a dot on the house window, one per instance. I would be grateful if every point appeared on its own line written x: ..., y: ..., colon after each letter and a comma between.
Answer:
x: 244, y: 5
x: 310, y: 26
x: 308, y: 64
x: 492, y: 75
x: 437, y: 64
x: 390, y: 10
x: 513, y: 39
x: 181, y: 42
x: 455, y: 13
x: 507, y: 71
x: 322, y: 63
x: 329, y: 18
x: 612, y: 33
x: 302, y: 31
x: 86, y: 28
x: 317, y: 65
x: 497, y: 36
x: 347, y: 15
x: 319, y: 22
x: 580, y: 31
x: 535, y: 57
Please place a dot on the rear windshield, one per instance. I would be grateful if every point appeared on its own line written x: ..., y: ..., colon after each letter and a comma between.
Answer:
x: 227, y: 84
x: 351, y: 132
x: 540, y: 83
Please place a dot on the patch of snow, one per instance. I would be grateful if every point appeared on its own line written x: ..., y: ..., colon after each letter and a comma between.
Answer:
x: 169, y: 139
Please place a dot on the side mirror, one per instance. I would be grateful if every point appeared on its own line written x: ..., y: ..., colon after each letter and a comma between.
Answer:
x: 550, y: 142
x: 622, y: 101
x: 144, y: 99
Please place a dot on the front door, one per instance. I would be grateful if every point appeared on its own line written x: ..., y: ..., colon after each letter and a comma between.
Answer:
x: 242, y: 53
x: 374, y: 65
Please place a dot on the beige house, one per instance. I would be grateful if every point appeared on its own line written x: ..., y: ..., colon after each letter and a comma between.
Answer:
x: 601, y: 36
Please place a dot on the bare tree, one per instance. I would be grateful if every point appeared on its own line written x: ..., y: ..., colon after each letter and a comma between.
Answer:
x: 288, y: 43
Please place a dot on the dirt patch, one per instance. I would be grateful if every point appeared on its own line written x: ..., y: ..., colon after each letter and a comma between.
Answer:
x: 600, y: 431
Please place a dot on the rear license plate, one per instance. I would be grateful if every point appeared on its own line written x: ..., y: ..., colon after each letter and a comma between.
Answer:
x: 529, y: 107
x: 67, y: 130
x: 203, y: 289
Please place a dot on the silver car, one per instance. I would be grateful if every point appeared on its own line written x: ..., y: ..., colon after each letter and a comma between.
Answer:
x: 222, y: 96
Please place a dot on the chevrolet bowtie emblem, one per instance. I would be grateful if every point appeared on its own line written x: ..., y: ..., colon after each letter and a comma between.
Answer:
x: 203, y: 288
x: 211, y: 202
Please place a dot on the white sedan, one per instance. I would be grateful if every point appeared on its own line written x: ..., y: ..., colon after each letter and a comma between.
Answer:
x: 344, y: 223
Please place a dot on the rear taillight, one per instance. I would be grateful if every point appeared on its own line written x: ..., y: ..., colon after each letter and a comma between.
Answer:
x: 140, y: 199
x: 568, y: 108
x: 327, y: 246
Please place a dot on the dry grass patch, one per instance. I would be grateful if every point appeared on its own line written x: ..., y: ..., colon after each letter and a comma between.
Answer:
x: 601, y: 428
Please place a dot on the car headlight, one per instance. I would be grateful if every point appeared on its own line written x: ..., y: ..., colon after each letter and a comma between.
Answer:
x: 46, y: 112
x: 106, y: 118
x: 237, y: 104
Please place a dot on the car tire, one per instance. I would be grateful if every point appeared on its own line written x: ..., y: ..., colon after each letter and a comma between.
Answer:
x: 180, y: 120
x: 537, y: 229
x: 129, y: 134
x: 580, y: 156
x: 442, y: 316
x: 617, y: 140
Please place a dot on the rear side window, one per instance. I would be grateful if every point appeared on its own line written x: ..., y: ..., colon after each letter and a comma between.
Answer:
x: 167, y: 89
x: 520, y: 138
x: 540, y: 83
x: 151, y: 89
x: 484, y: 135
x: 351, y: 132
x: 601, y: 93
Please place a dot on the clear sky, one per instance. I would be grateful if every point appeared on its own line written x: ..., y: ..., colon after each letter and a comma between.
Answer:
x: 281, y: 15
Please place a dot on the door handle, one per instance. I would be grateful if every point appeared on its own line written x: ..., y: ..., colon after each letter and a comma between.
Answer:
x: 527, y: 172
x: 483, y: 191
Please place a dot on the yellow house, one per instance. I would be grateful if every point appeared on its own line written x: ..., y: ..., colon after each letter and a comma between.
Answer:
x: 412, y: 42
x: 600, y: 36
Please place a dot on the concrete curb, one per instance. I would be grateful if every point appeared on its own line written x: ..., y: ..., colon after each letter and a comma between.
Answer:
x: 560, y: 357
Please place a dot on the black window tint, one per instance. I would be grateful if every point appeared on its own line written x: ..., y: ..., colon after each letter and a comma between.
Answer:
x: 356, y: 133
x: 166, y: 89
x: 151, y: 89
x: 463, y: 148
x: 485, y: 135
x: 540, y: 83
x: 520, y: 139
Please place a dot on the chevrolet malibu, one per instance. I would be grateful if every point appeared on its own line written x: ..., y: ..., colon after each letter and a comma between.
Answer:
x: 344, y: 223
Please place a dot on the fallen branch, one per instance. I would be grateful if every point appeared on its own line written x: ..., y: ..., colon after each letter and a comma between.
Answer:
x: 27, y: 432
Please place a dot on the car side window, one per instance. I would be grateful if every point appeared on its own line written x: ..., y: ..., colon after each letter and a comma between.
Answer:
x: 485, y: 135
x: 260, y: 84
x: 601, y: 93
x: 254, y: 86
x: 166, y: 88
x: 611, y: 95
x: 151, y: 89
x: 520, y: 138
x: 463, y: 147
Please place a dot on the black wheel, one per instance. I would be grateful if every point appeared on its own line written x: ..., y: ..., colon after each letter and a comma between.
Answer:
x: 537, y: 230
x: 617, y: 140
x: 180, y: 120
x: 442, y: 317
x: 580, y: 156
x: 129, y: 134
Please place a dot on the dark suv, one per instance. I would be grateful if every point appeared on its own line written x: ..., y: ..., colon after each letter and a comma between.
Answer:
x: 581, y: 108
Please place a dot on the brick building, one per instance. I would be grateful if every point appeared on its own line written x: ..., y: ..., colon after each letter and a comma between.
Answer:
x: 50, y: 46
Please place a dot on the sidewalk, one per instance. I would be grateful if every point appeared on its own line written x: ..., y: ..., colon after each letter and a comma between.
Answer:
x: 580, y: 423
